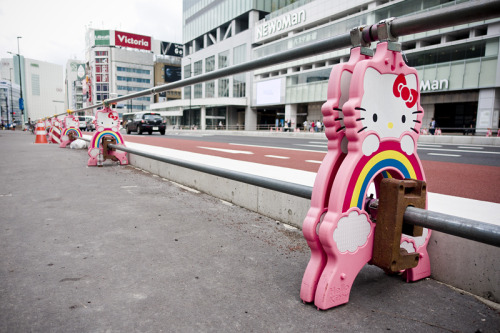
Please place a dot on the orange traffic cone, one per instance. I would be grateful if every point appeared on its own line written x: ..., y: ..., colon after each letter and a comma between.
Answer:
x: 41, y: 134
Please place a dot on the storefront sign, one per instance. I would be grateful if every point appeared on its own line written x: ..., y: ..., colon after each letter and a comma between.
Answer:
x: 433, y: 85
x: 101, y: 37
x: 171, y: 49
x: 126, y: 39
x: 281, y: 23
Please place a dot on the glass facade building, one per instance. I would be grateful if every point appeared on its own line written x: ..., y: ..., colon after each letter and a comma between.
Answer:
x: 458, y: 66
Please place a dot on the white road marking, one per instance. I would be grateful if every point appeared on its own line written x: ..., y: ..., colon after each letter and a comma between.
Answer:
x: 429, y: 145
x: 462, y: 151
x: 450, y: 155
x: 324, y: 143
x: 313, y: 161
x: 469, y: 147
x: 295, y: 149
x: 281, y: 157
x: 304, y: 145
x: 230, y: 151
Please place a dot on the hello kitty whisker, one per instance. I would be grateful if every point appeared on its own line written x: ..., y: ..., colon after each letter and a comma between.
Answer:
x: 362, y: 129
x: 340, y: 129
x: 417, y: 121
x: 337, y: 119
x: 337, y: 109
x: 414, y: 130
x: 360, y: 109
x: 417, y: 112
x: 359, y: 119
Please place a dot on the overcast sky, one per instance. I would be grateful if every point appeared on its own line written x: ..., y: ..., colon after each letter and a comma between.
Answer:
x: 54, y: 30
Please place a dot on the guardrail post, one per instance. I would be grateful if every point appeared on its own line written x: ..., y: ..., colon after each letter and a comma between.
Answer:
x: 395, y: 196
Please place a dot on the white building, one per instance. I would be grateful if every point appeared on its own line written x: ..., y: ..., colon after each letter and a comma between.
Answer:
x: 9, y: 103
x: 42, y: 86
x: 458, y: 66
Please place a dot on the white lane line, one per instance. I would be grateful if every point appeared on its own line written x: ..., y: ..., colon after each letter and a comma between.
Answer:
x: 230, y: 151
x: 313, y: 161
x: 450, y: 155
x: 462, y: 151
x: 270, y: 147
x: 304, y: 145
x: 429, y: 145
x: 468, y: 147
x: 281, y: 157
x: 319, y: 143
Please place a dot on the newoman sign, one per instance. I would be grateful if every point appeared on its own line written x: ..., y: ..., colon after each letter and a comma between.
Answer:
x: 280, y: 23
x: 126, y: 39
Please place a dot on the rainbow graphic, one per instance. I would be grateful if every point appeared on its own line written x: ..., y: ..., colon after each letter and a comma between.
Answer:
x: 75, y: 131
x: 97, y: 138
x: 389, y: 157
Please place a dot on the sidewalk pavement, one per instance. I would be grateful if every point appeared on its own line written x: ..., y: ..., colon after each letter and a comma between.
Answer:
x: 114, y: 249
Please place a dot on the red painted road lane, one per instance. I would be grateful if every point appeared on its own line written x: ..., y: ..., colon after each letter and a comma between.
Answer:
x: 462, y: 180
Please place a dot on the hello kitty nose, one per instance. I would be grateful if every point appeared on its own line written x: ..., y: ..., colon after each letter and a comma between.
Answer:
x: 390, y: 125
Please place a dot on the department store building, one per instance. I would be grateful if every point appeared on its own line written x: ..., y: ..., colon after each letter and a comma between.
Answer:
x: 457, y: 66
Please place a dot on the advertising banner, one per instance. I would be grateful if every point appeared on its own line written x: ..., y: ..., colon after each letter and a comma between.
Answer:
x: 101, y: 37
x: 126, y: 39
x: 172, y: 73
x: 172, y: 49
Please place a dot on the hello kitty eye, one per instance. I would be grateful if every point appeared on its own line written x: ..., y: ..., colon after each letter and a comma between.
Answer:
x: 403, y: 119
x: 375, y: 117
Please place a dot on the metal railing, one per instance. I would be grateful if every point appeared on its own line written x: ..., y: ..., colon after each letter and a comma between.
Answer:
x: 460, y: 14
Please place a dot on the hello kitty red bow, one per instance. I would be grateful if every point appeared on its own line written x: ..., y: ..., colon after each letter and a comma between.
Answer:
x: 401, y: 90
x: 113, y: 116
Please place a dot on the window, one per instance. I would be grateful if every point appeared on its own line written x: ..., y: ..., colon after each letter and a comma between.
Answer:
x: 239, y: 54
x: 198, y: 68
x: 239, y: 85
x: 187, y: 71
x: 198, y: 90
x: 223, y: 59
x: 209, y: 64
x: 133, y: 70
x: 224, y: 87
x: 210, y: 89
x: 132, y: 79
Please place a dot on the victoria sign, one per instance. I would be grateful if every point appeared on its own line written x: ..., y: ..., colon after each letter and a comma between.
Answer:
x: 126, y: 39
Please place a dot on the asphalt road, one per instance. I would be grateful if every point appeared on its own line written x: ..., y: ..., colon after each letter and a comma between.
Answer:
x: 465, y: 154
x: 460, y: 170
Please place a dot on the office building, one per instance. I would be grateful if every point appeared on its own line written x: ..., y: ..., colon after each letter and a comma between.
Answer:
x: 75, y: 79
x: 458, y: 66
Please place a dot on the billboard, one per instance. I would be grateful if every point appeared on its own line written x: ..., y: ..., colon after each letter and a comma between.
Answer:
x: 172, y: 73
x: 171, y: 49
x: 101, y: 37
x: 126, y: 39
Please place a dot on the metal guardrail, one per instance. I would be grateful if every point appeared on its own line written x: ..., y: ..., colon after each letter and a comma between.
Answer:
x: 459, y: 14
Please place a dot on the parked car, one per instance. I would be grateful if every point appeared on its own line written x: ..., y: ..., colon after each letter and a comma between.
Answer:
x: 90, y: 127
x: 146, y: 122
x: 82, y: 122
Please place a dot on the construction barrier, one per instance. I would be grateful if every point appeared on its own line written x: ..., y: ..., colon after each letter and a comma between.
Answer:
x: 40, y: 133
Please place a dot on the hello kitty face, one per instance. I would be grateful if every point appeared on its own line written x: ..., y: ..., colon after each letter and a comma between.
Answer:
x: 72, y: 122
x: 107, y: 119
x: 389, y: 109
x: 56, y: 122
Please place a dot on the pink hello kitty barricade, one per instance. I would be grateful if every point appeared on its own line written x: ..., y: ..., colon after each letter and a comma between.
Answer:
x: 70, y: 130
x: 48, y: 126
x: 382, y: 118
x: 337, y: 95
x: 107, y: 124
x: 55, y: 131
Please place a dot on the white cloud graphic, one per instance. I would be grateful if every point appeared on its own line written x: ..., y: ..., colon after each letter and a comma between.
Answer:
x: 351, y: 232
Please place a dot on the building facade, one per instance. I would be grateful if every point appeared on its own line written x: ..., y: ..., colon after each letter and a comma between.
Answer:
x: 9, y: 103
x: 42, y: 87
x: 458, y: 66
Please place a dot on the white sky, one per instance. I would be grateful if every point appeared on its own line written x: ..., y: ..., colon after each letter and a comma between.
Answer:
x: 54, y: 30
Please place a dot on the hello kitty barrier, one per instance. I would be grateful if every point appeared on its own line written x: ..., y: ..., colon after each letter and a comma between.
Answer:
x: 107, y: 124
x: 70, y: 130
x: 372, y: 118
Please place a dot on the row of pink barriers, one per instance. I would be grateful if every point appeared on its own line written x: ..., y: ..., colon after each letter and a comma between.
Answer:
x: 64, y: 131
x: 372, y: 118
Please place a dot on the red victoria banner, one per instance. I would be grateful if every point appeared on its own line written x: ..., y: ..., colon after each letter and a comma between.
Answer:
x: 126, y: 39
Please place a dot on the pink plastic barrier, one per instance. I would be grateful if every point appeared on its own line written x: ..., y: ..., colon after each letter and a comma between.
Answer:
x: 70, y: 125
x: 382, y: 118
x: 107, y: 123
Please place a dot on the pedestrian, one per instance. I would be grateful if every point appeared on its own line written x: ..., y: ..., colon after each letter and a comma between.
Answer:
x: 305, y: 124
x: 432, y: 126
x: 319, y: 125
